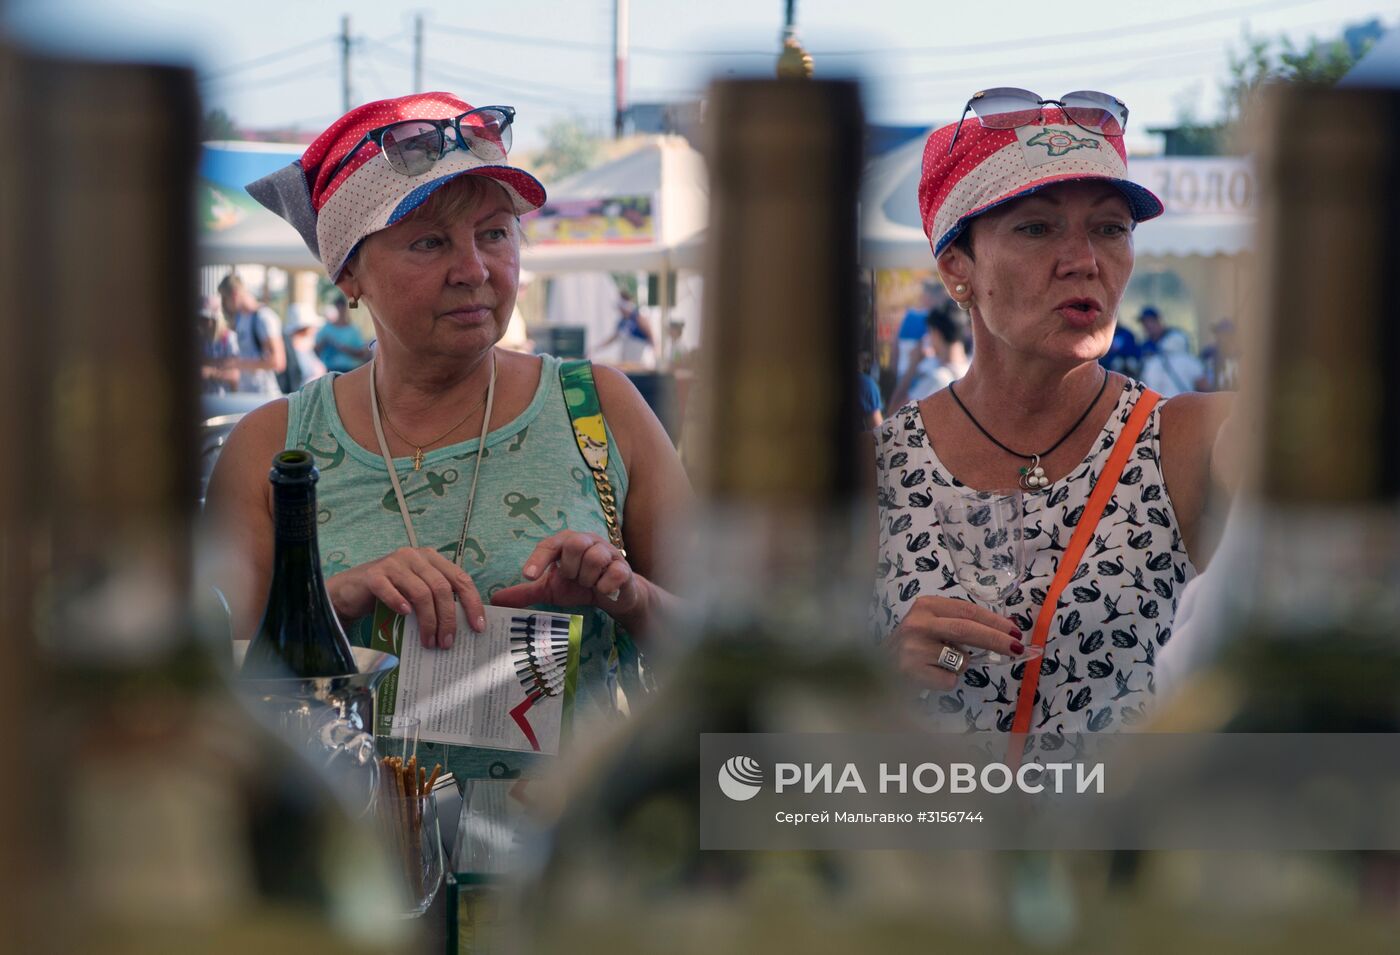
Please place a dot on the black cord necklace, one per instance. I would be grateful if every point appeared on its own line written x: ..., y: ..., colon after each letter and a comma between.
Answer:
x: 1032, y: 475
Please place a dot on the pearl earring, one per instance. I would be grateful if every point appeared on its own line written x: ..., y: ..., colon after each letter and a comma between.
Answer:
x: 960, y: 289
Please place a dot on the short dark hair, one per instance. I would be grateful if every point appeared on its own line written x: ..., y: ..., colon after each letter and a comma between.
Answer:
x: 963, y: 242
x: 952, y: 324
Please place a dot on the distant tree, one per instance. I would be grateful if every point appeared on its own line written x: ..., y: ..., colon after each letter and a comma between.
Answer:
x: 570, y: 147
x: 217, y: 125
x: 1277, y: 60
x: 1263, y: 61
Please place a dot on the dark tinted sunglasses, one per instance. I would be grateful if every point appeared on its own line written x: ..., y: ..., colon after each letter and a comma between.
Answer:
x: 1007, y: 107
x: 413, y: 146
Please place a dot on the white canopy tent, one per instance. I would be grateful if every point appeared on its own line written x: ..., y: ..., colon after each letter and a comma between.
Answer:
x: 672, y: 175
x: 665, y: 168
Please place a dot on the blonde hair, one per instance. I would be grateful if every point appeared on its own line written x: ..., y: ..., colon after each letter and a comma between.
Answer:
x: 460, y: 197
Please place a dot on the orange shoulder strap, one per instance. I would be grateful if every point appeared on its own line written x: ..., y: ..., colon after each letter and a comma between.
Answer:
x: 1069, y: 563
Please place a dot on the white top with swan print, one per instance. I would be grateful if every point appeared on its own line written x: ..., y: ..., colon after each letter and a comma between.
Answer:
x: 1113, y: 617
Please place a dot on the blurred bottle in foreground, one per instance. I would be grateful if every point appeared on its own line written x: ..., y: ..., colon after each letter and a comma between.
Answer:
x: 300, y: 634
x: 1300, y: 631
x: 778, y: 577
x: 1311, y: 627
x: 170, y: 822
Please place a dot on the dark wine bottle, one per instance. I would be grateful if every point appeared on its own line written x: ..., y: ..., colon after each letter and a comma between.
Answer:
x: 300, y: 634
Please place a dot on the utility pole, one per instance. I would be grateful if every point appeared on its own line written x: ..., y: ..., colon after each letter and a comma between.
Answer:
x: 619, y: 65
x: 345, y: 63
x: 418, y: 53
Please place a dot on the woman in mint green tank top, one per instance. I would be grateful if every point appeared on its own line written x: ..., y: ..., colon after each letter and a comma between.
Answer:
x: 571, y: 480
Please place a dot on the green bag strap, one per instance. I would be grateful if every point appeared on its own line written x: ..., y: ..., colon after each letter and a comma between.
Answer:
x: 586, y: 415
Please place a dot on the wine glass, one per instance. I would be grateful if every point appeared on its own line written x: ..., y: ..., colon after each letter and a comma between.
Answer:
x: 983, y: 537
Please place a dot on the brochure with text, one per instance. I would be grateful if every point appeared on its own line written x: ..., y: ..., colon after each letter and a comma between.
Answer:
x: 511, y: 687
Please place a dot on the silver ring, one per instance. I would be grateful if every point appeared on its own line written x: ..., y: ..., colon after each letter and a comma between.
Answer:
x: 950, y: 659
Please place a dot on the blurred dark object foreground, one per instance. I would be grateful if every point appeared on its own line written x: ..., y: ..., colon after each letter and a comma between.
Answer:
x: 153, y: 814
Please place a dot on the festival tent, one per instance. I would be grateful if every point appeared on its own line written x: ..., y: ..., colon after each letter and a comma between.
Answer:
x: 233, y: 227
x: 644, y: 211
x: 628, y: 214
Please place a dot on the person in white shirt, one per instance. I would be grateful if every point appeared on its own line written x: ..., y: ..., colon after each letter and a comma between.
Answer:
x: 1168, y: 367
x: 262, y: 355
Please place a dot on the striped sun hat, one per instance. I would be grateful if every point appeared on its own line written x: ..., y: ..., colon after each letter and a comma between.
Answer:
x: 991, y: 166
x: 335, y: 209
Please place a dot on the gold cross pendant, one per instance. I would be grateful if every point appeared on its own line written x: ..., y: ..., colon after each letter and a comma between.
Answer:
x: 418, y: 459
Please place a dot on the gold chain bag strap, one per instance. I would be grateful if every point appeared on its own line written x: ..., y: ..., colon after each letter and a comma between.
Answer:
x: 586, y: 415
x: 625, y: 663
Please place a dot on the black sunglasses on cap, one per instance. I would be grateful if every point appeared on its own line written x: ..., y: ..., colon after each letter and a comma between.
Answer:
x: 1007, y: 107
x: 413, y: 146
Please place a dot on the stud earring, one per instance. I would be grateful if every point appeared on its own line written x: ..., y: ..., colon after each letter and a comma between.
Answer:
x: 960, y: 289
x: 353, y: 302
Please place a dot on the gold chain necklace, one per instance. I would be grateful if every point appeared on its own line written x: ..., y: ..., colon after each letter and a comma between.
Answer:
x: 418, y: 448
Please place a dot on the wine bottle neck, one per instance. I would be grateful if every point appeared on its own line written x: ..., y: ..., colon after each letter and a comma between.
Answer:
x: 295, y: 551
x: 294, y: 506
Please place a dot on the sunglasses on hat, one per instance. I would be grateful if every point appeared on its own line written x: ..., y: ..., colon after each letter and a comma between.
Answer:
x: 1007, y: 107
x: 413, y: 146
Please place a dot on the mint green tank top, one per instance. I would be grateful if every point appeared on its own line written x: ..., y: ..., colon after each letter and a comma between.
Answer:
x: 533, y: 484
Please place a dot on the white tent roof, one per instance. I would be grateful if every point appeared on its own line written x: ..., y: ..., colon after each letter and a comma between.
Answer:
x: 891, y: 235
x: 1214, y: 218
x: 665, y: 167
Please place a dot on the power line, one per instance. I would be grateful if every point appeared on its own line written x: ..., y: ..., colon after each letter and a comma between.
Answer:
x: 577, y: 45
x: 1138, y: 29
x: 300, y: 72
x: 493, y: 79
x: 269, y: 58
x: 509, y: 91
x: 1209, y: 50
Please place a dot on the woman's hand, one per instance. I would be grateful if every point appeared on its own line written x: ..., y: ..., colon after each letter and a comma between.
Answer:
x: 934, y: 623
x: 420, y: 581
x: 574, y: 569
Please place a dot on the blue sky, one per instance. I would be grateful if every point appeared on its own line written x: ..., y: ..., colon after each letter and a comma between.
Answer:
x: 275, y: 62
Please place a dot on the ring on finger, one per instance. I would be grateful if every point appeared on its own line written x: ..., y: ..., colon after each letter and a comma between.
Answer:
x: 950, y: 659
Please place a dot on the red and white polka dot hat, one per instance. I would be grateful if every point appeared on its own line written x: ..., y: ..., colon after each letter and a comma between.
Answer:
x: 335, y: 206
x: 990, y: 166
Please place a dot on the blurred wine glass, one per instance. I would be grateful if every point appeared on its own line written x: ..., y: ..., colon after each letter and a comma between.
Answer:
x: 984, y: 539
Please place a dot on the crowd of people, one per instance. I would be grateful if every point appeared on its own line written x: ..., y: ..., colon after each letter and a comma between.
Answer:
x: 1164, y: 360
x: 246, y: 347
